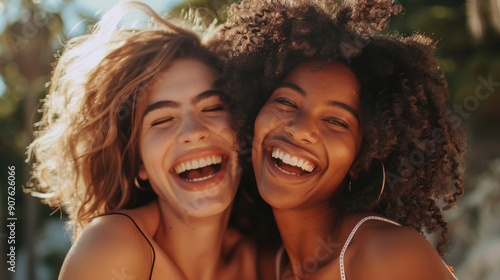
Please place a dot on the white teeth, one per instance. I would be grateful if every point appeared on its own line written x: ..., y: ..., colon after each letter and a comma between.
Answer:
x: 275, y: 153
x: 284, y: 171
x: 202, y: 178
x: 292, y: 160
x: 178, y: 169
x: 286, y: 159
x: 198, y: 163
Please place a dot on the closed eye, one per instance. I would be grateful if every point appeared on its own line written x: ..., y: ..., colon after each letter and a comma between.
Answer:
x: 161, y: 121
x: 336, y: 121
x: 215, y: 108
x: 285, y: 101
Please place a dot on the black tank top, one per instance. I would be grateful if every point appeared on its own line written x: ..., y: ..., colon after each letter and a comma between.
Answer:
x: 139, y: 229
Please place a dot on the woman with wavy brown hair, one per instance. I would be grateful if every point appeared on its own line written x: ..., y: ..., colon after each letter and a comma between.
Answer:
x: 136, y: 145
x: 352, y: 143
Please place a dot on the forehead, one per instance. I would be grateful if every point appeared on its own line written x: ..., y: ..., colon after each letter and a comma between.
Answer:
x: 319, y: 77
x: 182, y: 80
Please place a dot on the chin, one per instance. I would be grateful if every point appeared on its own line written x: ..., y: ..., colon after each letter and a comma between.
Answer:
x: 208, y: 206
x: 279, y: 199
x: 208, y: 202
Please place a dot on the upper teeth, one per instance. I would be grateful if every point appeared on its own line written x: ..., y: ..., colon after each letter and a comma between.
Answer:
x: 197, y: 163
x: 292, y: 160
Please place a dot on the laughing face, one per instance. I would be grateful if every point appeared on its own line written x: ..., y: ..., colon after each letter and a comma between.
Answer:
x: 186, y: 143
x: 307, y: 136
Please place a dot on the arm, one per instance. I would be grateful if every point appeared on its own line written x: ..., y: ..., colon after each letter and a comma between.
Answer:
x: 110, y: 247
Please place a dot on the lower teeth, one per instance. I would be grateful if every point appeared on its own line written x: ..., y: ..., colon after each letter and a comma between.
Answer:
x: 284, y: 171
x: 202, y: 178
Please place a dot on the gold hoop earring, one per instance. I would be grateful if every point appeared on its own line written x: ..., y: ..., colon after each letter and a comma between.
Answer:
x: 383, y: 182
x: 137, y: 185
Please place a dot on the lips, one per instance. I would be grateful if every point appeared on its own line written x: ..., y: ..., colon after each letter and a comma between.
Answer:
x: 196, y: 170
x: 291, y: 164
x: 289, y: 160
x: 200, y: 170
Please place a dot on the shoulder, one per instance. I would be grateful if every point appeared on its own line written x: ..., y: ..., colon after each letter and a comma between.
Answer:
x: 388, y: 251
x: 109, y: 247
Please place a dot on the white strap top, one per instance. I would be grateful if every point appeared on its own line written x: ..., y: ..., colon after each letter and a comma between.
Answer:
x: 279, y: 254
x: 278, y: 260
x: 342, y: 253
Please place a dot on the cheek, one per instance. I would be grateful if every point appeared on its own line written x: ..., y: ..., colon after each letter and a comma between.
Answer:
x: 223, y: 128
x: 155, y: 140
x: 259, y: 133
x: 153, y: 146
x: 264, y: 121
x: 343, y: 150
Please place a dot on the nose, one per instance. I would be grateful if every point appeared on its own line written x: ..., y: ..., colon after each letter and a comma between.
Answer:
x: 301, y: 129
x: 192, y: 130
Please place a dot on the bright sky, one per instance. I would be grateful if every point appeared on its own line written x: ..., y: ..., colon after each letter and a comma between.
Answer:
x: 10, y: 12
x: 98, y: 7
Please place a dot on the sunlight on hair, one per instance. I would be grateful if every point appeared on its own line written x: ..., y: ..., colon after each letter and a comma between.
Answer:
x: 199, y: 20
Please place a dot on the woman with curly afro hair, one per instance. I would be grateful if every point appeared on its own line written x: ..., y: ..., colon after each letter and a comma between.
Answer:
x: 353, y: 146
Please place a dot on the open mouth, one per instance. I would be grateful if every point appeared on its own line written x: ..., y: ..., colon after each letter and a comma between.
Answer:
x: 201, y: 169
x: 290, y: 164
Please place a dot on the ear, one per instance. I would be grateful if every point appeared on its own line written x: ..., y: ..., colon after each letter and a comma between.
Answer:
x: 354, y: 171
x: 142, y: 174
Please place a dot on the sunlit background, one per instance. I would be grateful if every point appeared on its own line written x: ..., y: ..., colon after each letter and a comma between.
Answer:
x: 467, y: 33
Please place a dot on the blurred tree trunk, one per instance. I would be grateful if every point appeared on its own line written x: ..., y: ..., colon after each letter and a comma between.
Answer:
x: 478, y: 11
x: 30, y: 51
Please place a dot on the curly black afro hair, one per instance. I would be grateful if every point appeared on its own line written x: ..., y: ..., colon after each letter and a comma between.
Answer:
x: 407, y: 125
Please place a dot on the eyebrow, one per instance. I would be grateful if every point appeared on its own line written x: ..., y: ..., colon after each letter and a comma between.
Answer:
x: 209, y: 93
x: 328, y: 103
x: 195, y: 100
x: 293, y: 87
x: 345, y: 106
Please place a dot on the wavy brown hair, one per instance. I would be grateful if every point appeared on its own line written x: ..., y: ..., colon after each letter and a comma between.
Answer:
x: 407, y: 125
x: 85, y: 150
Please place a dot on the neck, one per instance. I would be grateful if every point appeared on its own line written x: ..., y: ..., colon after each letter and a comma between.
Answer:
x: 309, y: 239
x: 194, y: 244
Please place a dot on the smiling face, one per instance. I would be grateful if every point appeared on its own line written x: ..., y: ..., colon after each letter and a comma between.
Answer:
x: 186, y: 142
x: 307, y: 136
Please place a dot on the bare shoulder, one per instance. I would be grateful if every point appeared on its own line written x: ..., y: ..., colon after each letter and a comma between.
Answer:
x: 110, y: 247
x: 388, y: 251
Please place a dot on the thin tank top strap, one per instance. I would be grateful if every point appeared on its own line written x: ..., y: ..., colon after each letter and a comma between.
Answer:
x: 142, y: 233
x: 344, y: 249
x: 278, y: 261
x: 451, y: 271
